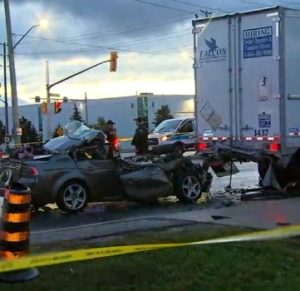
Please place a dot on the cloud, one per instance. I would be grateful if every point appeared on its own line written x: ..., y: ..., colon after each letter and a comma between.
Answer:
x: 148, y: 38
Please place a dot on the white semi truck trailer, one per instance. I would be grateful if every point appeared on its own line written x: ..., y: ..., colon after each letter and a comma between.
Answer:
x: 247, y: 84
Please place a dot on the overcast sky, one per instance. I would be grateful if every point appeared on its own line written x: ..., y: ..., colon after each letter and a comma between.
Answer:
x: 150, y: 36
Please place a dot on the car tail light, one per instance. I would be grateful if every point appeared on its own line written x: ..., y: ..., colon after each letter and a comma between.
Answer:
x: 274, y: 147
x: 30, y: 171
x: 116, y: 144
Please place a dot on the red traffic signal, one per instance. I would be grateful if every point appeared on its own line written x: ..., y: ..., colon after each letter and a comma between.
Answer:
x: 57, y: 106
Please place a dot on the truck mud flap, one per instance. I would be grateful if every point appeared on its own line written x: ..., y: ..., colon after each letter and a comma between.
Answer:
x: 224, y: 169
x: 146, y: 184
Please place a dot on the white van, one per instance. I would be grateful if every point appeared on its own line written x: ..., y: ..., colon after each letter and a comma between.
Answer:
x: 173, y: 135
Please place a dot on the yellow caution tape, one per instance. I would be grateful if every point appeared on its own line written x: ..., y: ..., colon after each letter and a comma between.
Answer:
x: 102, y: 252
x: 125, y: 139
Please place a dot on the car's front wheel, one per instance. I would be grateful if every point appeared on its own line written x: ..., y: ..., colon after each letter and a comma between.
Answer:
x: 72, y: 197
x: 178, y: 149
x: 188, y: 186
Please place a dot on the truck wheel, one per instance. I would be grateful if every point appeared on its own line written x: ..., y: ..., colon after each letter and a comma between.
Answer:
x: 188, y: 186
x: 72, y: 197
x: 263, y: 166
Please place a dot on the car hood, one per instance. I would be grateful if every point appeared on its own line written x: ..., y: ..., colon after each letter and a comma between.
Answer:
x: 157, y: 135
x: 75, y: 134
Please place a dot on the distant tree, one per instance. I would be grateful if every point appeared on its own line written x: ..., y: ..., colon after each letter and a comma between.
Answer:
x: 29, y: 133
x: 2, y: 132
x: 76, y: 115
x: 101, y: 123
x: 58, y: 131
x: 162, y: 114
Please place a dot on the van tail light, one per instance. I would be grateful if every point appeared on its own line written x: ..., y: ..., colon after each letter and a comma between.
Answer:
x: 274, y: 147
x: 202, y: 146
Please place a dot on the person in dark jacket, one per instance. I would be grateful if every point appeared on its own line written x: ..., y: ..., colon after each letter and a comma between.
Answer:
x: 140, y: 138
x: 111, y: 136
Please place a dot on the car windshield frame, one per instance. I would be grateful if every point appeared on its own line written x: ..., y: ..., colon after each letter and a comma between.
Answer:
x: 168, y: 125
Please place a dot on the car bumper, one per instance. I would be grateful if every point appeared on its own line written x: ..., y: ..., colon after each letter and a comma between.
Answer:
x: 161, y: 149
x: 39, y: 195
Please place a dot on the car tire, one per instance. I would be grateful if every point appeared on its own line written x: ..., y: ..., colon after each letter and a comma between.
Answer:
x: 188, y: 186
x: 72, y: 197
x: 178, y: 149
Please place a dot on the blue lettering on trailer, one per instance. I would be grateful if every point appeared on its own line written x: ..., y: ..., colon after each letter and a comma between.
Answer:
x: 264, y: 120
x: 258, y: 42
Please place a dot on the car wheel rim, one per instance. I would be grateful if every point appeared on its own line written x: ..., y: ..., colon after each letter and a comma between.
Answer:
x: 74, y: 196
x: 191, y: 187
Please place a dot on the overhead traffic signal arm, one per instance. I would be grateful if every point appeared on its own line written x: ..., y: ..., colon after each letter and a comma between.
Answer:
x: 113, y: 68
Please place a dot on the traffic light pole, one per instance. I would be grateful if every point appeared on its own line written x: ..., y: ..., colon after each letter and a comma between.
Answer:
x: 49, y: 86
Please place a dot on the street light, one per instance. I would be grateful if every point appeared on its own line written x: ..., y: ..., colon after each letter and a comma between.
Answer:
x: 43, y: 23
x: 32, y: 27
x: 12, y: 70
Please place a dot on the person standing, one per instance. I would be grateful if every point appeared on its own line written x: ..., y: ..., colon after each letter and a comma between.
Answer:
x: 140, y: 138
x: 113, y: 142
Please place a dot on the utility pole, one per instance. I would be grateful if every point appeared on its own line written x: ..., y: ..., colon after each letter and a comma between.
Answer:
x: 13, y: 80
x: 86, y: 108
x: 48, y: 101
x: 5, y: 90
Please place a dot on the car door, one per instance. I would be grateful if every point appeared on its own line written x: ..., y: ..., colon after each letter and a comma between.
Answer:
x: 101, y: 175
x: 186, y: 133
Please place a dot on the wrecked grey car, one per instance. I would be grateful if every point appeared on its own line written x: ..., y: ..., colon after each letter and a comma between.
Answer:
x: 74, y: 170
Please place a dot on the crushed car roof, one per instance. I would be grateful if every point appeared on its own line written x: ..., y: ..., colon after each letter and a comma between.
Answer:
x: 75, y: 134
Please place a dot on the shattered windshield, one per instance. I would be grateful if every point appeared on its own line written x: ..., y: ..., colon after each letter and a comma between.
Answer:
x: 75, y: 133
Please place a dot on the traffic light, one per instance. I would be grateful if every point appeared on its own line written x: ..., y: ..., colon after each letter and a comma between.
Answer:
x: 113, y: 61
x: 37, y: 99
x: 57, y: 106
x: 44, y: 107
x: 65, y: 99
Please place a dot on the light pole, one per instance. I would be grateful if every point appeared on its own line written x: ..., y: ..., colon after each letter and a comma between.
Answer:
x: 5, y: 89
x: 12, y: 71
x: 31, y: 28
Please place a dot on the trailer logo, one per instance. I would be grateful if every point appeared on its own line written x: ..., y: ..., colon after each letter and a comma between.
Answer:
x: 213, y: 53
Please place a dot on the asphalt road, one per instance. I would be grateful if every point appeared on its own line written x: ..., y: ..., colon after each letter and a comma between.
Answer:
x: 51, y: 217
x: 100, y: 220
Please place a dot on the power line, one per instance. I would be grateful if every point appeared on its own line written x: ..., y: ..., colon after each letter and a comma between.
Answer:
x: 119, y: 46
x: 164, y: 6
x: 133, y: 28
x: 253, y: 2
x: 200, y: 6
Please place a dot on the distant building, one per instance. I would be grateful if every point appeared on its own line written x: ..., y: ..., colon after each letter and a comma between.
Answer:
x: 122, y: 110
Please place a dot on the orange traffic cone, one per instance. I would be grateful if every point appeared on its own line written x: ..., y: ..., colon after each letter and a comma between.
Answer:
x: 15, y: 232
